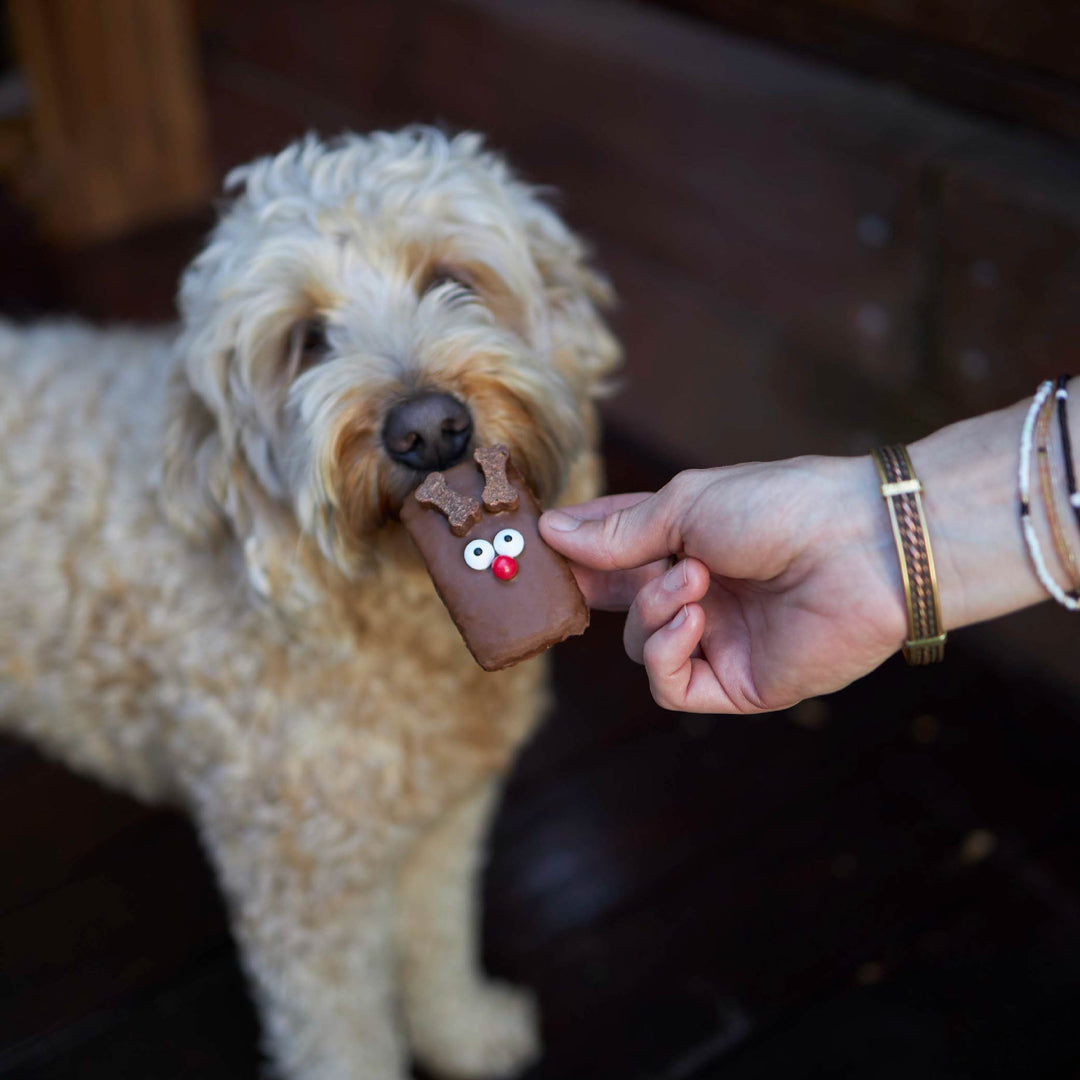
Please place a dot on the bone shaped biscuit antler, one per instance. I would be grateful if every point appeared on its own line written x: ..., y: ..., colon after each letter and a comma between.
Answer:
x: 462, y: 511
x: 499, y: 494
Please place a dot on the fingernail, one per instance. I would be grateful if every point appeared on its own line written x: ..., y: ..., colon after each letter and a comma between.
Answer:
x: 675, y: 578
x: 679, y: 619
x: 560, y: 522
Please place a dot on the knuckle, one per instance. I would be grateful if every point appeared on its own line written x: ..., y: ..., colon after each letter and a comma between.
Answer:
x: 678, y: 496
x: 644, y: 607
x: 652, y: 655
x: 686, y: 484
x: 611, y: 536
x: 662, y: 696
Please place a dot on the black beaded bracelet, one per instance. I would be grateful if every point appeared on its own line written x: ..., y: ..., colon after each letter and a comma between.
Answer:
x: 1062, y: 395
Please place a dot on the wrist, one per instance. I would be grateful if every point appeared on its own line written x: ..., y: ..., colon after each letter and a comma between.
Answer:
x: 968, y: 472
x: 862, y: 541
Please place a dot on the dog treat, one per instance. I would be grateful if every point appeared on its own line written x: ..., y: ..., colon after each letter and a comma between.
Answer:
x: 509, y: 594
x: 499, y: 493
x: 462, y: 512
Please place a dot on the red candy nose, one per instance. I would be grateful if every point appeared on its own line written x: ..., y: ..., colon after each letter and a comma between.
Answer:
x: 504, y: 567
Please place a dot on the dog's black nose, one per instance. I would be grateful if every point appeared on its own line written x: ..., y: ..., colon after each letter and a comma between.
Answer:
x: 428, y: 431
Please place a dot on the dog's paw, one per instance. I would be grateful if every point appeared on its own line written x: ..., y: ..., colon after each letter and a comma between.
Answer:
x: 486, y: 1036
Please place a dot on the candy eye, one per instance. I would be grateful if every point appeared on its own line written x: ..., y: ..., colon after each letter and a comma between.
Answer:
x: 509, y: 542
x: 479, y: 554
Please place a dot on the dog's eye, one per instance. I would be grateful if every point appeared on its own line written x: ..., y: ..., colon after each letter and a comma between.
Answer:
x: 442, y: 276
x: 313, y: 343
x: 509, y: 542
x: 479, y: 554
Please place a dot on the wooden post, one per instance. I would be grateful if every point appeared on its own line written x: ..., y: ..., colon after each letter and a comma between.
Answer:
x: 117, y: 120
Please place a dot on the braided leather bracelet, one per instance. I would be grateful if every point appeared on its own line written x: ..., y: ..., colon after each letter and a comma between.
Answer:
x: 903, y: 494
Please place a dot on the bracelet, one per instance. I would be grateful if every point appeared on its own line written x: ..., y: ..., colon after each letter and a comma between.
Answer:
x: 1048, y: 483
x: 903, y: 494
x: 1067, y: 600
x: 1062, y: 395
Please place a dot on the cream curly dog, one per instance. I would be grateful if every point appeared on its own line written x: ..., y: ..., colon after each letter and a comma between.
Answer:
x: 206, y: 598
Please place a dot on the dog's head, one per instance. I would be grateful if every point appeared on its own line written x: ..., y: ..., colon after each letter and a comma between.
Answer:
x: 368, y: 310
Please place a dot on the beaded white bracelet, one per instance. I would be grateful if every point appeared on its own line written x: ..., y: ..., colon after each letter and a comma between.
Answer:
x: 1066, y: 600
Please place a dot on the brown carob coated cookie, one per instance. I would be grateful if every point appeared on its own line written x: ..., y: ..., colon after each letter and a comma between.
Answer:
x: 509, y: 594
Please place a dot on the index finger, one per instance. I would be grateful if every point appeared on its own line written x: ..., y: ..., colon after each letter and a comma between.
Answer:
x: 614, y: 590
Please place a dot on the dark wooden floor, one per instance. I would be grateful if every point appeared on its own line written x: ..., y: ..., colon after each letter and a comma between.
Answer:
x: 884, y: 884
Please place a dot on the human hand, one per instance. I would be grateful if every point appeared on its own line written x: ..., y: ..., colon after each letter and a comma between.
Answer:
x: 787, y: 583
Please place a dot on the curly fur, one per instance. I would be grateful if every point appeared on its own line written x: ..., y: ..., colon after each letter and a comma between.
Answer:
x: 208, y: 600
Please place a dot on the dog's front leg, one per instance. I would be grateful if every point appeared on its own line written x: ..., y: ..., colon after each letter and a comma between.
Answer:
x: 460, y: 1024
x: 319, y: 954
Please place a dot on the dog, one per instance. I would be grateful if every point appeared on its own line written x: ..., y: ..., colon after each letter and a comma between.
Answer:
x: 208, y: 600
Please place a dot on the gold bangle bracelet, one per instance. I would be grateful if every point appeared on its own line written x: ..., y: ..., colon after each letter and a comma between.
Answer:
x: 903, y: 494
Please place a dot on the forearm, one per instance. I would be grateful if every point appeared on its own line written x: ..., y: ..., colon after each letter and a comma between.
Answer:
x: 969, y: 476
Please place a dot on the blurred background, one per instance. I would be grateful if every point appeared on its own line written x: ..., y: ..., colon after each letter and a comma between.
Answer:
x: 830, y: 223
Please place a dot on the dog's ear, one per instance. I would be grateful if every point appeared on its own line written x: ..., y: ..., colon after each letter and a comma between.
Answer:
x: 194, y: 480
x: 583, y: 346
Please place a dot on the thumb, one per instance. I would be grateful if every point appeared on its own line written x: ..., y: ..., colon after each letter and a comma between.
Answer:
x: 618, y: 539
